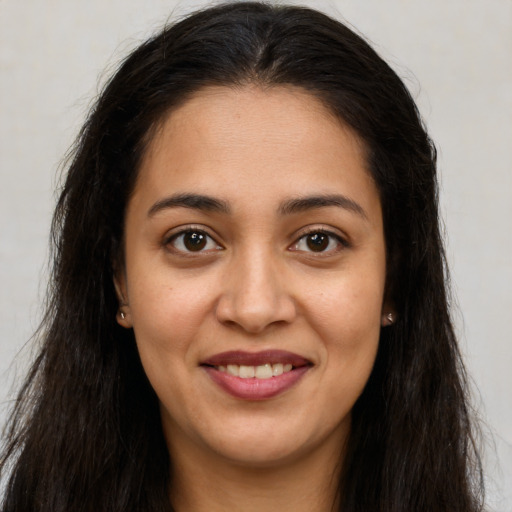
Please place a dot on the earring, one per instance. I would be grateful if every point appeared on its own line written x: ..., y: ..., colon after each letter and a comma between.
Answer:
x: 122, y: 314
x: 388, y: 319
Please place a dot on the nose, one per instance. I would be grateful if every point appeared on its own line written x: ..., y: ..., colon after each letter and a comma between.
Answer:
x: 255, y: 294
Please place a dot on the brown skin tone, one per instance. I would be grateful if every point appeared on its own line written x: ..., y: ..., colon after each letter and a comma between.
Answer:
x: 257, y: 283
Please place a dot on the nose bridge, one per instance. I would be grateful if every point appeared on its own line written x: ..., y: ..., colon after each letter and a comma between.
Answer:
x: 254, y: 294
x: 258, y: 287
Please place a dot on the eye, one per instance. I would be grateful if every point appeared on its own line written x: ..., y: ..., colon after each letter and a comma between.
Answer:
x: 192, y: 240
x: 320, y: 242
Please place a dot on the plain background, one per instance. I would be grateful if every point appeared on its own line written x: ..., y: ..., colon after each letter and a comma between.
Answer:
x: 454, y: 55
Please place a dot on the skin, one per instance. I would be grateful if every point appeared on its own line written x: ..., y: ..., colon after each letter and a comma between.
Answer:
x: 256, y: 285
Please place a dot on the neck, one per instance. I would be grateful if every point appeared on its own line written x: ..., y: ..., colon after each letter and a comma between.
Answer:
x: 208, y: 483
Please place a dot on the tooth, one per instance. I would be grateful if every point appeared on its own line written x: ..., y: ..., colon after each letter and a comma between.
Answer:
x: 246, y: 372
x: 233, y: 369
x: 263, y: 371
x: 277, y: 369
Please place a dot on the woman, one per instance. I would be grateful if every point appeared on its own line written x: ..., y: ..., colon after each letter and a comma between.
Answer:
x: 248, y: 306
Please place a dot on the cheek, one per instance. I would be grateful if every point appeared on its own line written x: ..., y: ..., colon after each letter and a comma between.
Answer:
x: 347, y: 317
x: 167, y: 321
x: 350, y: 304
x: 168, y: 312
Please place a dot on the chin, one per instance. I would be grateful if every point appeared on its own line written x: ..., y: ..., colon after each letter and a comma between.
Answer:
x: 261, y: 454
x: 266, y: 444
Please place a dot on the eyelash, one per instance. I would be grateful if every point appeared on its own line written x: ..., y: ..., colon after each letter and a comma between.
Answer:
x: 203, y: 235
x: 340, y: 242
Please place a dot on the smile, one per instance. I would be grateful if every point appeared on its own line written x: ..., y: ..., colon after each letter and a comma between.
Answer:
x: 264, y: 371
x: 256, y: 376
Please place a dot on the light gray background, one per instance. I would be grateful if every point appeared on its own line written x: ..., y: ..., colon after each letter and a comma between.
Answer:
x: 456, y: 57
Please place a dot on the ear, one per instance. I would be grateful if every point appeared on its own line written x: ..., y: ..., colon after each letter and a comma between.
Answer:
x: 123, y: 315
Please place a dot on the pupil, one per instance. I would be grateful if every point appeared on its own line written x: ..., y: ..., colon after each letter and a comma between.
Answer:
x: 318, y: 242
x: 194, y: 241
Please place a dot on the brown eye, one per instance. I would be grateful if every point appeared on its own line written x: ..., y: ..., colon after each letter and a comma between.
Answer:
x: 193, y: 241
x: 317, y: 242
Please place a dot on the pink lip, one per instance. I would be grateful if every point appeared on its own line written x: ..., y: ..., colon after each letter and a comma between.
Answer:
x: 256, y: 389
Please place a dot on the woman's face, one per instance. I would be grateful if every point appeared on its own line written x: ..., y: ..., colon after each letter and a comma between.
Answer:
x: 254, y: 274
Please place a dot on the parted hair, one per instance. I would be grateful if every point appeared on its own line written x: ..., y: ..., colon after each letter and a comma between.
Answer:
x: 85, y: 431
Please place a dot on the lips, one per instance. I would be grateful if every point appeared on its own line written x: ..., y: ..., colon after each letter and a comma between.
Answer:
x: 256, y: 376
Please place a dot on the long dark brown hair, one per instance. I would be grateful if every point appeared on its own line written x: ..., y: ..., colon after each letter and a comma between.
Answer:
x: 85, y: 433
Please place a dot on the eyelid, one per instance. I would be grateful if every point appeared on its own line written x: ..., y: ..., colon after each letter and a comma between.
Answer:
x: 188, y: 228
x: 331, y: 232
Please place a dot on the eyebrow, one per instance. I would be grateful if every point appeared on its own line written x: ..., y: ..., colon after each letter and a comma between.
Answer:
x: 195, y: 201
x: 289, y: 207
x: 302, y: 204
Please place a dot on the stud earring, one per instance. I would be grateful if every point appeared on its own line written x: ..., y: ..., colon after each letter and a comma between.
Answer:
x: 122, y: 314
x: 388, y: 319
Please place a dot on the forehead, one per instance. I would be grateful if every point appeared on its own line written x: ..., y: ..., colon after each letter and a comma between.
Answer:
x: 227, y: 116
x: 253, y: 142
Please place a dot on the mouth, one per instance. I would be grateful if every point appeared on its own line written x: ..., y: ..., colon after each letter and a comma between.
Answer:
x: 262, y: 371
x: 256, y: 376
